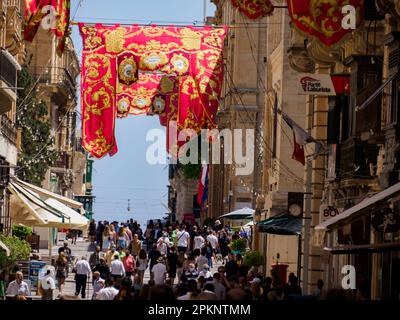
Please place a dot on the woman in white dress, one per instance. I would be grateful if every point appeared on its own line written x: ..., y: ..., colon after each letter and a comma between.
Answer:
x: 106, y: 239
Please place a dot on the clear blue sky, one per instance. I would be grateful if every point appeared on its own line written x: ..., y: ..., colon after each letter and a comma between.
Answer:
x: 127, y: 175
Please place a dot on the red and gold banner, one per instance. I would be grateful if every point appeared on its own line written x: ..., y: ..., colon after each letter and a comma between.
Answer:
x: 36, y: 10
x: 323, y: 18
x: 173, y: 72
x: 254, y: 9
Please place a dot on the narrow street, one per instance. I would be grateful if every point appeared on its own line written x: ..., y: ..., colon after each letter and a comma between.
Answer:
x: 80, y: 249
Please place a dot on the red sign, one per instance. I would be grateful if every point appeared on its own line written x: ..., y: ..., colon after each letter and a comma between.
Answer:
x: 323, y: 18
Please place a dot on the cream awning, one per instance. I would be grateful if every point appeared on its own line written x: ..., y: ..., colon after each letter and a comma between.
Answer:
x: 42, y: 209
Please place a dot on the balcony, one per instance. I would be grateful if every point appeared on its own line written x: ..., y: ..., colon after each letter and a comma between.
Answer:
x: 14, y: 26
x: 57, y: 77
x: 8, y: 129
x: 358, y: 159
x: 8, y: 81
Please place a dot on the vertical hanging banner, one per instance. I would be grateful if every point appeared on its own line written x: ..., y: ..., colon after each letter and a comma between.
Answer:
x: 173, y: 72
x: 327, y: 20
x: 52, y: 15
x: 254, y: 9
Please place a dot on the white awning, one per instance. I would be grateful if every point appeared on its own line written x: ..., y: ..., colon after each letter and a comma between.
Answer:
x: 357, y: 209
x: 34, y: 209
x: 5, y: 248
x: 241, y: 214
x: 46, y: 193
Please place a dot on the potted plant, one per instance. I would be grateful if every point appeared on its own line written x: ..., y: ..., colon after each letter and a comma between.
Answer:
x: 238, y: 246
x: 253, y: 259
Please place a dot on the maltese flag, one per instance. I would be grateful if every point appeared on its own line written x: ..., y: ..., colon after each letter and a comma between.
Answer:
x: 203, y: 185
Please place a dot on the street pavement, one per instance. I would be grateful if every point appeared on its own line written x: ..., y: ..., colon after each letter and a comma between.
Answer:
x: 84, y: 248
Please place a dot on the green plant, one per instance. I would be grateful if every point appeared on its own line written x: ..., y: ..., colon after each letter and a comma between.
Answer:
x: 19, y: 250
x: 253, y: 259
x: 37, y: 146
x: 21, y: 231
x: 238, y: 245
x: 191, y: 171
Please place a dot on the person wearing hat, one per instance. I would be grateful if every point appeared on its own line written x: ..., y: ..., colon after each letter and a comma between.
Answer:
x: 159, y: 272
x: 205, y: 272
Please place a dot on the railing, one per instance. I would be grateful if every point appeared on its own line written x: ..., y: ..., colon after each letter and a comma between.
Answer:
x: 8, y: 129
x: 55, y: 76
x: 8, y: 72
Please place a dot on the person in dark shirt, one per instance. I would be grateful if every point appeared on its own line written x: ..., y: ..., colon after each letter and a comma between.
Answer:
x: 153, y: 256
x: 172, y: 259
x: 292, y: 288
x: 231, y: 267
x: 102, y: 268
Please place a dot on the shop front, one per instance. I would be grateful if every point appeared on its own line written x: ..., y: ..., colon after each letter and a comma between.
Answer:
x: 367, y: 237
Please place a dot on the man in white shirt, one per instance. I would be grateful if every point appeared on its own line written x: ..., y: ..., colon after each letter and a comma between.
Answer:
x: 83, y: 271
x: 109, y: 292
x: 198, y: 242
x: 159, y: 271
x: 18, y: 287
x: 213, y: 240
x: 183, y: 239
x: 117, y: 268
x: 48, y: 286
x: 163, y: 244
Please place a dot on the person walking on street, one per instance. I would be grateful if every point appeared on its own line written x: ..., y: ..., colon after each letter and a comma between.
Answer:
x: 159, y: 272
x: 61, y: 270
x: 83, y: 271
x: 94, y: 259
x: 129, y: 263
x: 109, y: 292
x: 107, y: 239
x: 172, y: 264
x: 163, y: 244
x: 98, y: 284
x: 110, y: 254
x: 141, y: 264
x: 117, y: 268
x: 135, y: 245
x: 103, y: 269
x: 18, y: 287
x: 92, y: 231
x: 48, y: 286
x: 183, y: 239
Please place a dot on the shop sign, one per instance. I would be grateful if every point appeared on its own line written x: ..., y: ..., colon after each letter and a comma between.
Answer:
x: 385, y: 220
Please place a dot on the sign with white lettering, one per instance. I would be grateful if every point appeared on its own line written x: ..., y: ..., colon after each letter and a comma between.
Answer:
x: 316, y: 84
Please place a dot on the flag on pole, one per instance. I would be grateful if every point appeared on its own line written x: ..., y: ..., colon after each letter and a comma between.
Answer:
x: 300, y: 139
x: 203, y: 185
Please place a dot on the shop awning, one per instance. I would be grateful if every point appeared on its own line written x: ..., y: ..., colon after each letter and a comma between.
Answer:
x: 241, y: 214
x: 281, y: 225
x: 346, y: 216
x: 46, y: 193
x: 34, y: 209
x: 5, y: 248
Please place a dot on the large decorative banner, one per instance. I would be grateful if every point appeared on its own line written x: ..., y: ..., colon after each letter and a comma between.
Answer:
x: 323, y: 18
x: 57, y: 13
x: 173, y: 72
x: 254, y: 9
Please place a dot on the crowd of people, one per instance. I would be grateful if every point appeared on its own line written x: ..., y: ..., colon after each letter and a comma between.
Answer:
x: 180, y: 259
x: 185, y: 262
